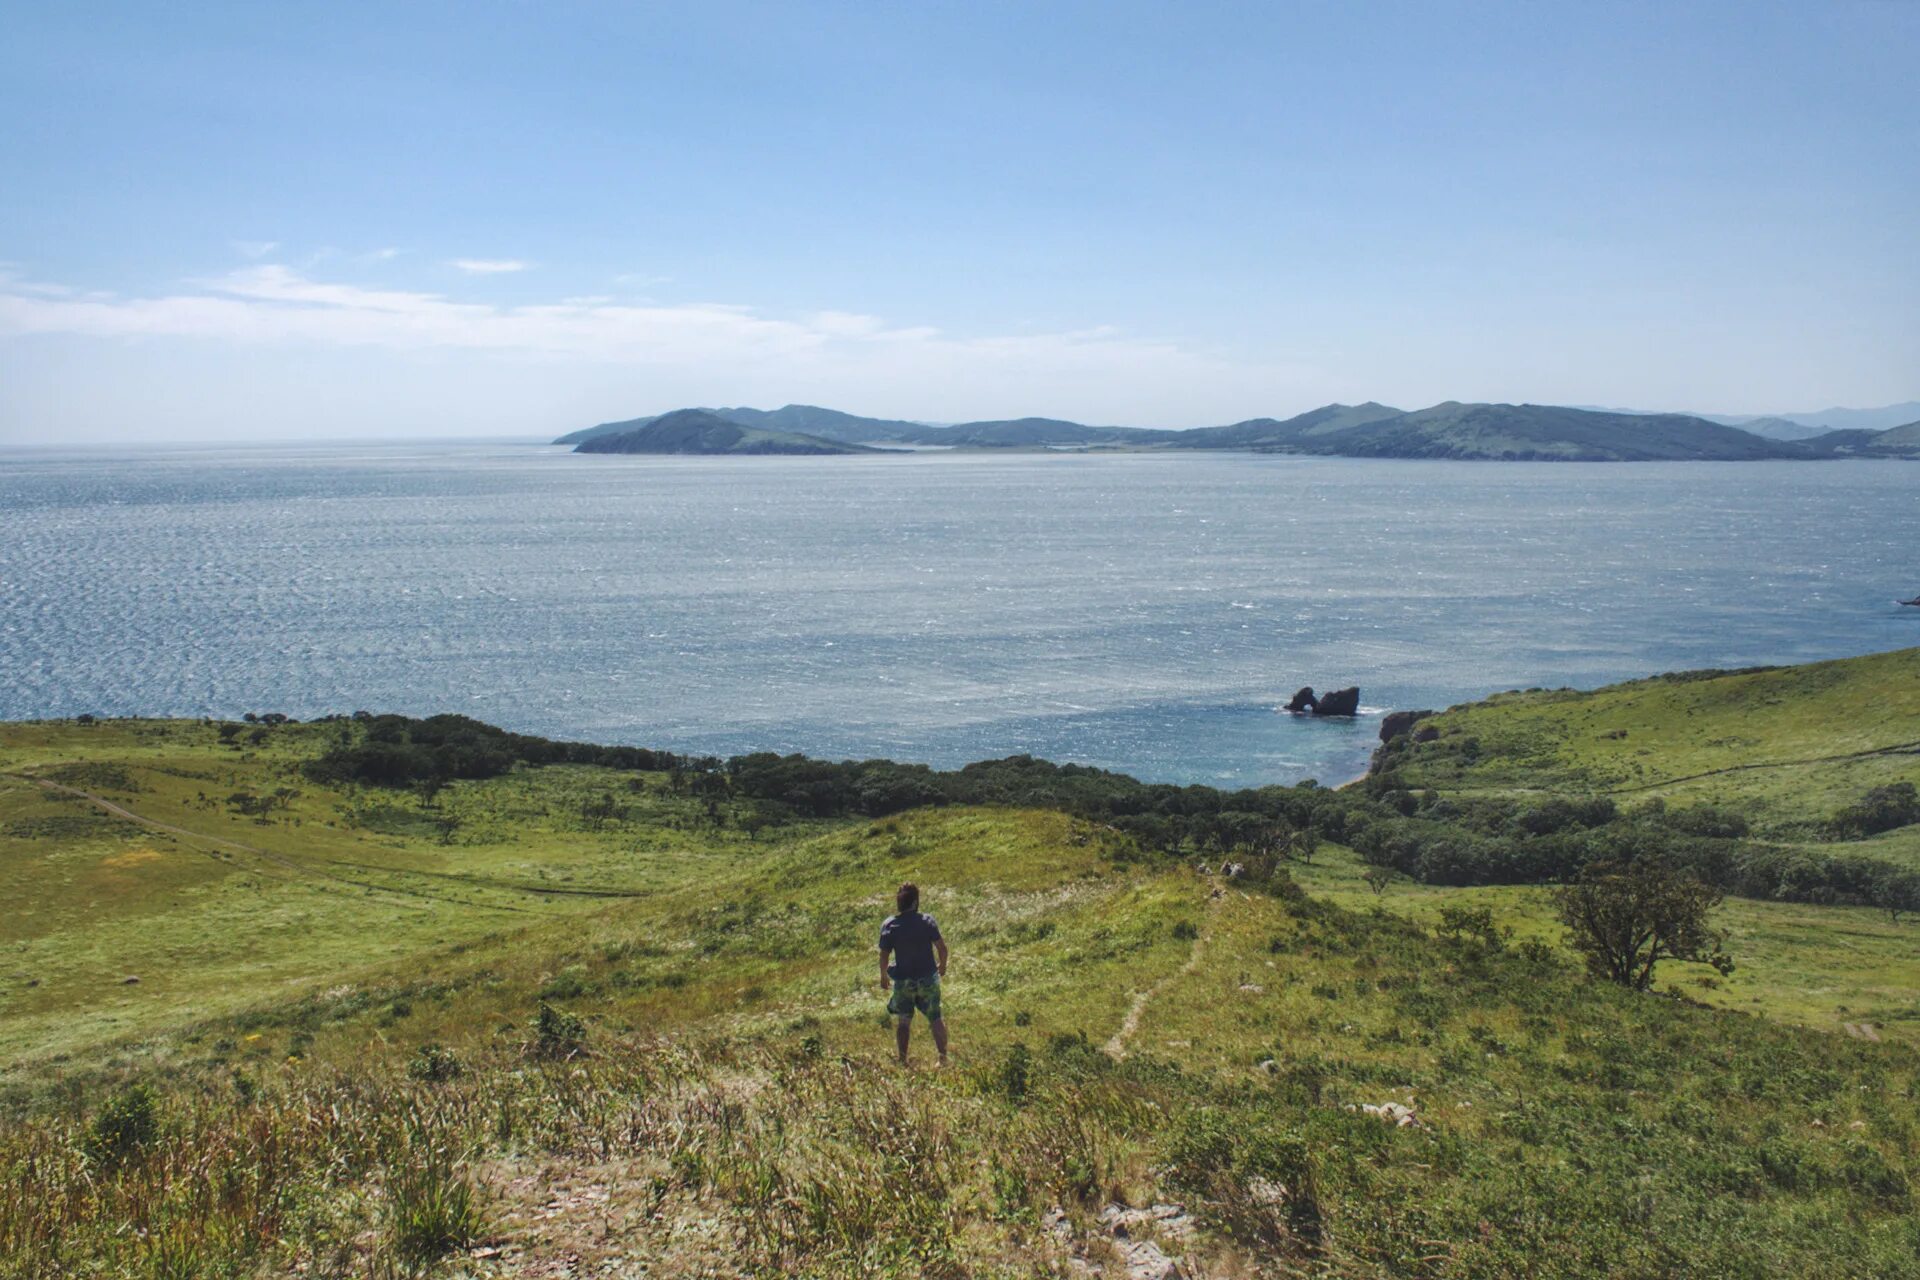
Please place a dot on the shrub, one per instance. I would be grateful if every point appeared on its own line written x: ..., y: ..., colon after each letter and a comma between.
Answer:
x: 570, y: 983
x: 434, y: 1063
x: 431, y: 1207
x: 557, y: 1033
x: 1015, y: 1076
x: 125, y: 1126
x: 1260, y: 1182
x: 1881, y: 809
x: 1472, y: 925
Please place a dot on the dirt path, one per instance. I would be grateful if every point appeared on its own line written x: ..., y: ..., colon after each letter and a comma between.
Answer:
x: 1862, y: 1031
x: 280, y: 861
x: 1117, y: 1046
x: 1897, y: 749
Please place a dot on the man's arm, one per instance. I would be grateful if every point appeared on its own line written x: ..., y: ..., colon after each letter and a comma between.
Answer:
x: 885, y: 981
x: 940, y: 954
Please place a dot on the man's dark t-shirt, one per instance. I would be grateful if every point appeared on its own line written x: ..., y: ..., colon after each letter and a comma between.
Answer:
x: 910, y: 937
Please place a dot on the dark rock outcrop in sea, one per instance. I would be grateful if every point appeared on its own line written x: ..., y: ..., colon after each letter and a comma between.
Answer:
x: 1399, y: 722
x: 1341, y: 702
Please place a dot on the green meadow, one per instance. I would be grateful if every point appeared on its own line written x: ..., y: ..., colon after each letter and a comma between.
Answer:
x: 1788, y: 747
x: 576, y: 1019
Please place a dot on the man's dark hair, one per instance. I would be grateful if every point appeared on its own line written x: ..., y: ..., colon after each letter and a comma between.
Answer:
x: 907, y: 898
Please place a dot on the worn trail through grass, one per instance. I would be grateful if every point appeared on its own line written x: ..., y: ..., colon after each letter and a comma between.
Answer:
x: 1116, y: 1046
x: 1897, y: 749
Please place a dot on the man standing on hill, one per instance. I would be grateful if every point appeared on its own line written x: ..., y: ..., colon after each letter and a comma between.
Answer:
x: 919, y: 955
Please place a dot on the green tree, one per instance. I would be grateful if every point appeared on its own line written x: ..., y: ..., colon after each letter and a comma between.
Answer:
x: 1626, y: 918
x: 597, y: 811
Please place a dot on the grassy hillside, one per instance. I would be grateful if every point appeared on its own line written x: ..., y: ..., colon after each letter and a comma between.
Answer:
x: 1495, y: 432
x: 574, y: 1018
x: 697, y: 431
x: 1843, y: 970
x: 1789, y: 747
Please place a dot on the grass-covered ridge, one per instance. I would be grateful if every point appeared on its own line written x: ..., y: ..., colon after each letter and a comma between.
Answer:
x: 1795, y: 783
x: 620, y: 1010
x: 1796, y: 743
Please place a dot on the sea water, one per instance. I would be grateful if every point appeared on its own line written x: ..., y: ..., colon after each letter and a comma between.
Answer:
x: 1141, y: 612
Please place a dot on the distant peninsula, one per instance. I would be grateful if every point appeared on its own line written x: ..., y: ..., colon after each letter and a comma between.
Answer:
x: 699, y: 431
x: 1451, y: 430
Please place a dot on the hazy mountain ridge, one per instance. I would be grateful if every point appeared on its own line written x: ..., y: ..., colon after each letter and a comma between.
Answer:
x: 1450, y: 430
x: 696, y: 431
x: 1798, y: 426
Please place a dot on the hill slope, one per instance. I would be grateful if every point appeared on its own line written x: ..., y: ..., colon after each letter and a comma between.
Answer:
x: 1794, y: 742
x: 800, y: 419
x: 709, y: 1091
x: 618, y: 1015
x: 1545, y: 433
x: 695, y: 431
x: 812, y: 420
x: 1481, y: 432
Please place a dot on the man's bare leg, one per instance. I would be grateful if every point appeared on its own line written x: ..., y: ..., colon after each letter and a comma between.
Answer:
x: 903, y: 1031
x: 939, y: 1026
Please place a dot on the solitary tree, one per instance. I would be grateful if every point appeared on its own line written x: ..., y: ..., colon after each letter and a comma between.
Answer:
x: 1302, y: 844
x: 1626, y: 918
x: 597, y: 810
x: 1898, y: 892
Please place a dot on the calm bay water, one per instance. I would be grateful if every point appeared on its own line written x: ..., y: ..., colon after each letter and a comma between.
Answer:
x: 1140, y: 612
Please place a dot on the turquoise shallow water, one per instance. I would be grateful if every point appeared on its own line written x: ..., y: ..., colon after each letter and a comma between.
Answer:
x: 1140, y: 612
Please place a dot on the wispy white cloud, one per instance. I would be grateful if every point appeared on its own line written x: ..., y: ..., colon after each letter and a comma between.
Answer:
x: 255, y: 248
x: 488, y: 266
x: 824, y: 352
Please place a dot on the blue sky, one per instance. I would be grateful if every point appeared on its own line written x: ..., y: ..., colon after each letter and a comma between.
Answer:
x: 243, y: 220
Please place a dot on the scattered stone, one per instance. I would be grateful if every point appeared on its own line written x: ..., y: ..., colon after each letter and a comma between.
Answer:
x: 1426, y: 733
x: 1269, y: 1066
x: 1252, y: 988
x: 130, y: 980
x: 1143, y: 1259
x: 1858, y: 1125
x: 1234, y: 870
x: 1267, y: 1192
x: 1394, y: 1113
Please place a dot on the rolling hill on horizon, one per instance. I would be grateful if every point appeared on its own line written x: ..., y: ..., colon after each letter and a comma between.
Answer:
x: 1450, y: 430
x: 1796, y: 425
x: 696, y: 431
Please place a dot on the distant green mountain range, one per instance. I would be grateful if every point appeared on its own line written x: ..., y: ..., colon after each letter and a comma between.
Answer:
x: 697, y: 431
x: 1480, y: 432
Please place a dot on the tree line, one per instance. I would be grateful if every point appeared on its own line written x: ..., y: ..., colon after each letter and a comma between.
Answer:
x: 1417, y: 833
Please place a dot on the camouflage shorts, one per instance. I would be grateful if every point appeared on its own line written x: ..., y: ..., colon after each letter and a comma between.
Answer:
x: 915, y: 993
